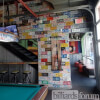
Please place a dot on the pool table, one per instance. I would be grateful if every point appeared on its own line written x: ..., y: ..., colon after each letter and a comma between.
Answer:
x: 22, y: 92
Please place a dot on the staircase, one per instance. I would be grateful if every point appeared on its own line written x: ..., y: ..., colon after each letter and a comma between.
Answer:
x: 21, y: 52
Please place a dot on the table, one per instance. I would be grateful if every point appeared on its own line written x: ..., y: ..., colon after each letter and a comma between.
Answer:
x: 89, y: 70
x: 22, y: 92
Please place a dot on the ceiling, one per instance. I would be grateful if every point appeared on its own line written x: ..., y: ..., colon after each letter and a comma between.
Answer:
x: 67, y: 3
x: 57, y: 2
x: 62, y: 3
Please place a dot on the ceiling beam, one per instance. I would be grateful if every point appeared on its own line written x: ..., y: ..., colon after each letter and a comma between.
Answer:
x: 11, y: 2
x: 26, y: 6
x: 76, y: 0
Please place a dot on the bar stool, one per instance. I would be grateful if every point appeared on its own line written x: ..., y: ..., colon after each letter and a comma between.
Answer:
x: 15, y: 73
x: 76, y: 64
x: 26, y: 78
x: 80, y: 67
x: 3, y: 74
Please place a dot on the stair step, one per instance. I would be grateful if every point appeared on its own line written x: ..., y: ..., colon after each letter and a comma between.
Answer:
x: 14, y: 45
x: 32, y: 58
x: 28, y: 54
x: 23, y: 51
x: 36, y: 60
x: 18, y: 48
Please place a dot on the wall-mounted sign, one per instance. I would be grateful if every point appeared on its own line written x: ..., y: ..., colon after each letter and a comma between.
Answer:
x: 6, y: 37
x: 8, y: 34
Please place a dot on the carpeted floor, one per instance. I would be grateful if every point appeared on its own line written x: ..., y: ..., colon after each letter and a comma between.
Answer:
x: 80, y: 82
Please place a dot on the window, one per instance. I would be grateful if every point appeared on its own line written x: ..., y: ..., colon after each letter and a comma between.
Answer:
x: 98, y: 31
x: 99, y: 48
x: 97, y: 11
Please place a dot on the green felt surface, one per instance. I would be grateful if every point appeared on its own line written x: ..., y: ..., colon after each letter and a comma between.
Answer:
x: 18, y: 92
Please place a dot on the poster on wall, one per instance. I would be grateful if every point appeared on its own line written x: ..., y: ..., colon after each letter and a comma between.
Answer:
x: 80, y: 20
x: 75, y: 47
x: 10, y: 29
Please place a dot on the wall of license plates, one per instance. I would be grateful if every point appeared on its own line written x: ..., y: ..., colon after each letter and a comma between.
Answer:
x: 53, y: 51
x: 52, y: 31
x: 54, y: 62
